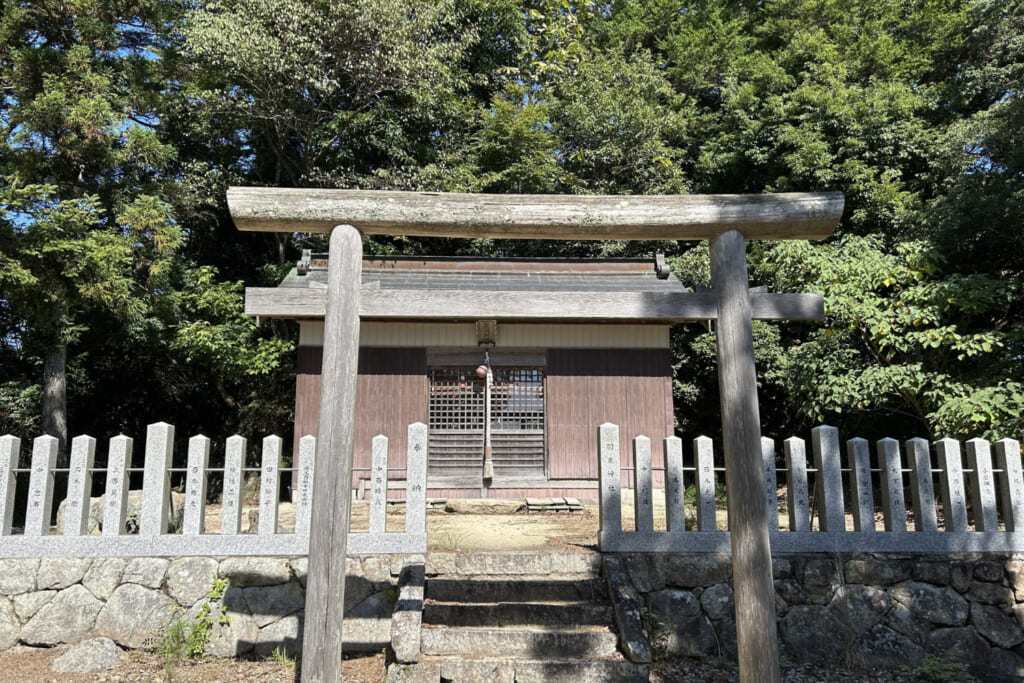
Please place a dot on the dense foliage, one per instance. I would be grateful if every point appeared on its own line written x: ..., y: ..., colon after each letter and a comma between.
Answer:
x: 122, y: 123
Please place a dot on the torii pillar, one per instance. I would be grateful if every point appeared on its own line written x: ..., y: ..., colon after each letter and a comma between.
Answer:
x: 726, y: 220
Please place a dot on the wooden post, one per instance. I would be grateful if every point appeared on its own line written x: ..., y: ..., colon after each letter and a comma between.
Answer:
x: 748, y: 520
x: 332, y: 476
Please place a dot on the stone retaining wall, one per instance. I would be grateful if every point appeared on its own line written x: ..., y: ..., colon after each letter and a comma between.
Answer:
x: 872, y: 611
x: 45, y: 602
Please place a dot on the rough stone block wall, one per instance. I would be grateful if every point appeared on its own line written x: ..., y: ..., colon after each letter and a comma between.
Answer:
x: 45, y: 602
x: 871, y: 611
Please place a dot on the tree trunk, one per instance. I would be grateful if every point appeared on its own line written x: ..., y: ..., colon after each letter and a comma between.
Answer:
x: 55, y: 418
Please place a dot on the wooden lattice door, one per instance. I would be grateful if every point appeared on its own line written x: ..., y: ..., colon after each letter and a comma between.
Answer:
x: 458, y: 412
x: 455, y: 444
x: 517, y: 422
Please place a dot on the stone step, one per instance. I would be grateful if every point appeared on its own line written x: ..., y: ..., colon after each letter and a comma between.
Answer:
x: 517, y: 614
x: 576, y: 671
x: 431, y: 670
x: 510, y: 643
x: 582, y: 565
x: 516, y: 590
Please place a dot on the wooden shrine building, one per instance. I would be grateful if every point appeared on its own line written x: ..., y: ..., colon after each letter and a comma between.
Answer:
x: 551, y: 379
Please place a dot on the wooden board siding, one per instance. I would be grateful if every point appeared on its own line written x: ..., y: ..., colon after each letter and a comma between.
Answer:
x: 583, y: 388
x: 391, y: 394
x: 391, y: 390
x: 587, y: 387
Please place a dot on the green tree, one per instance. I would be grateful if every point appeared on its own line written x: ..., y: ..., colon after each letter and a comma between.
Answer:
x: 913, y: 111
x: 903, y: 342
x: 83, y: 221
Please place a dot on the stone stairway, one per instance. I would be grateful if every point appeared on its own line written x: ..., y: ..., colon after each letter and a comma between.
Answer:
x: 517, y: 618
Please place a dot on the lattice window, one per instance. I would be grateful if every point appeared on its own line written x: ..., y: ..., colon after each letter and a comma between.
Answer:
x: 456, y: 399
x: 517, y: 399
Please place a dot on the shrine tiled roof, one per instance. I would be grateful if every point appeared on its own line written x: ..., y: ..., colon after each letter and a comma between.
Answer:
x: 521, y: 275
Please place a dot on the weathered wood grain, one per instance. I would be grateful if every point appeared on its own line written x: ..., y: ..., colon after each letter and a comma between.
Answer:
x: 332, y: 477
x: 442, y: 304
x: 565, y: 217
x: 741, y: 436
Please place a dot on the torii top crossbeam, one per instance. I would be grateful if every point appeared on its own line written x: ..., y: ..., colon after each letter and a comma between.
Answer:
x: 794, y: 215
x: 726, y: 220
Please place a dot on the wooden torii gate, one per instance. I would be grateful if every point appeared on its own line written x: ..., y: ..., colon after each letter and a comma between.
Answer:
x: 726, y: 220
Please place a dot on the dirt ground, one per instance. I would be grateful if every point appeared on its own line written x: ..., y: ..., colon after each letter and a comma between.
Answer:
x: 32, y: 665
x: 475, y: 530
x: 519, y: 531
